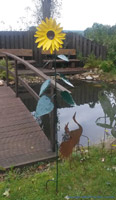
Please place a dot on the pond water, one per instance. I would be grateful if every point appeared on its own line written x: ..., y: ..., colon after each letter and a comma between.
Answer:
x: 95, y: 111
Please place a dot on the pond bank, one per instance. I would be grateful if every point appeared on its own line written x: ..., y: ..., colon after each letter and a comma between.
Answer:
x: 72, y: 74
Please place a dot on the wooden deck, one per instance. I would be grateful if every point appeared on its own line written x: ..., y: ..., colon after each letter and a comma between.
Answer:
x: 21, y: 139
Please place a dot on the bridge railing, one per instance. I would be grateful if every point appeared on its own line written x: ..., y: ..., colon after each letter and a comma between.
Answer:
x: 30, y: 90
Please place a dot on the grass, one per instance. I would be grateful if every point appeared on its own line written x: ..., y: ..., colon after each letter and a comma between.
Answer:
x: 88, y: 177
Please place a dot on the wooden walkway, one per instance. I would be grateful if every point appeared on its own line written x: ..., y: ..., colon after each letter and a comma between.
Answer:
x: 21, y: 139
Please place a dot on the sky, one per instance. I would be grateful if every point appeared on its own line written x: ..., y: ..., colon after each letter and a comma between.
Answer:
x: 75, y: 15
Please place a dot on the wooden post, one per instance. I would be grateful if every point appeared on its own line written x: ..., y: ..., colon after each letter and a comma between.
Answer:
x: 16, y: 79
x: 7, y: 72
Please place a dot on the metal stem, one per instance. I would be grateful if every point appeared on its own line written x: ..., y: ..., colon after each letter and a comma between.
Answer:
x: 55, y: 128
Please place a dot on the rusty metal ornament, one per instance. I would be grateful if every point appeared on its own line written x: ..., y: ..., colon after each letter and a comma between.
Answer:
x: 66, y: 147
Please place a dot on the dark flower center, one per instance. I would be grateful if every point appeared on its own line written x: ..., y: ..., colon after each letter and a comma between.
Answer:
x: 50, y: 35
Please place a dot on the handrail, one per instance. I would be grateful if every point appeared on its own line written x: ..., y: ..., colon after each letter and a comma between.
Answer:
x: 31, y: 91
x: 37, y: 71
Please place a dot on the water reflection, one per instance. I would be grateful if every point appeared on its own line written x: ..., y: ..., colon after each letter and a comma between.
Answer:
x: 96, y: 111
x: 107, y: 100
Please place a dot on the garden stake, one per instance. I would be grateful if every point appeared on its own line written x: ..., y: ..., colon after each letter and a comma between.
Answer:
x: 55, y: 127
x: 55, y: 130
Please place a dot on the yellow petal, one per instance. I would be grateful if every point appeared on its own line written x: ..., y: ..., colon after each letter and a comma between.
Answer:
x: 42, y: 27
x: 58, y: 25
x: 49, y: 44
x: 42, y: 22
x: 46, y: 20
x: 39, y: 39
x: 57, y: 49
x: 41, y: 43
x: 56, y: 44
x: 51, y: 50
x: 59, y: 30
x: 35, y: 35
x: 54, y: 24
x: 45, y: 46
x: 59, y: 40
x: 53, y: 46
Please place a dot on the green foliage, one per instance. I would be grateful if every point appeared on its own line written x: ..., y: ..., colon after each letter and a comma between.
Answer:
x: 104, y: 35
x: 107, y: 65
x: 92, y: 61
x: 3, y: 72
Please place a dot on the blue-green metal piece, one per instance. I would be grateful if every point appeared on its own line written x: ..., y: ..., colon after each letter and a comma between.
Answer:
x: 66, y: 80
x: 63, y: 57
x: 44, y: 106
x: 68, y: 98
x: 113, y: 131
x: 44, y: 87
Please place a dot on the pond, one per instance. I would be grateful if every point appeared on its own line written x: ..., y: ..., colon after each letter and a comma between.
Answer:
x: 95, y: 111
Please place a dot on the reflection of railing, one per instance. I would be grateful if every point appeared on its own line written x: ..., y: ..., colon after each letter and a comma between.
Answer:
x: 29, y: 89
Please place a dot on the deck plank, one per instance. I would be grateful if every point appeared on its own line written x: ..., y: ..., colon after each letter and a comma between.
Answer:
x: 22, y: 141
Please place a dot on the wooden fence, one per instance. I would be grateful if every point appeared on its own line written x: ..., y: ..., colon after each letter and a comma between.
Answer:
x: 26, y: 40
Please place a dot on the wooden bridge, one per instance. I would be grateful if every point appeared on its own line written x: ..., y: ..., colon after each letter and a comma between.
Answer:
x: 22, y: 141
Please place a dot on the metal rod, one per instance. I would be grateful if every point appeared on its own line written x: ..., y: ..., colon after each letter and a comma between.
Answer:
x: 7, y: 72
x: 52, y: 119
x: 16, y: 79
x: 55, y: 128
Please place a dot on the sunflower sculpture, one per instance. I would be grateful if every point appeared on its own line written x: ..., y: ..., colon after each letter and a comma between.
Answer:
x: 49, y: 35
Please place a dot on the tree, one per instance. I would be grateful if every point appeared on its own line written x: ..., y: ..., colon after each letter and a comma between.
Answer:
x: 46, y: 8
x: 105, y: 35
x: 97, y: 32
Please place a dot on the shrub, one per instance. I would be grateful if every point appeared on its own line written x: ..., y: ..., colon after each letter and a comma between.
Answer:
x: 3, y: 72
x: 92, y: 61
x: 107, y: 66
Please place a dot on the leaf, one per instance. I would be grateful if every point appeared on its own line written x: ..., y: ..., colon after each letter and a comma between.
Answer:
x: 63, y: 57
x: 68, y: 98
x: 66, y: 80
x: 44, y: 106
x: 113, y: 131
x: 104, y: 125
x: 44, y: 87
x: 106, y: 106
x: 6, y: 193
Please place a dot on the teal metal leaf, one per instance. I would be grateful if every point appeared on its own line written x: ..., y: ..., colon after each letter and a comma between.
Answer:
x: 106, y: 106
x: 104, y: 125
x: 113, y: 131
x: 66, y: 80
x: 63, y: 57
x: 44, y: 87
x: 44, y: 106
x: 68, y: 98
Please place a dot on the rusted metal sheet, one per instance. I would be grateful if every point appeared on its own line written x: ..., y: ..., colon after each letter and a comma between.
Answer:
x: 72, y: 139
